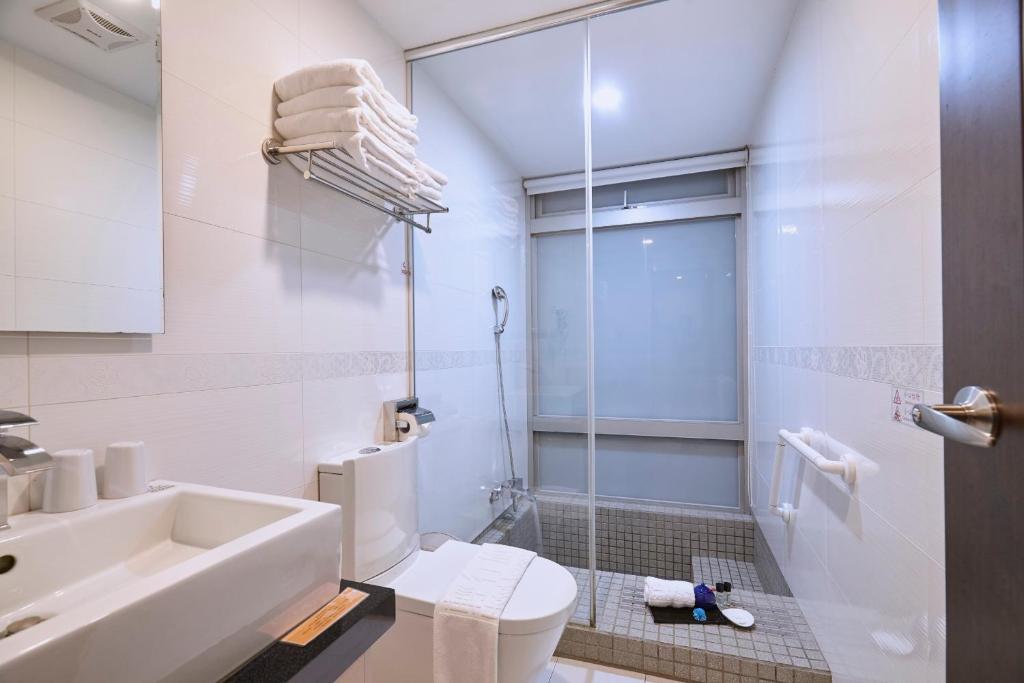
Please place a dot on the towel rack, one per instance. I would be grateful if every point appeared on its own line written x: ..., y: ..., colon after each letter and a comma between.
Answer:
x: 333, y: 167
x: 845, y: 466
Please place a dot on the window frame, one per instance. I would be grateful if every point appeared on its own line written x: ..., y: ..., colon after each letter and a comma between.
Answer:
x: 679, y: 210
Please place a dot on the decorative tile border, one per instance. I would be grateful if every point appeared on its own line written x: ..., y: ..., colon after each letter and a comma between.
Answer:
x: 69, y: 378
x: 912, y: 366
x: 353, y: 364
x: 447, y: 360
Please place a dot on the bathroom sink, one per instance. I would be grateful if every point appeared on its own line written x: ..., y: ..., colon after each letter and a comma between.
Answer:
x: 184, y: 583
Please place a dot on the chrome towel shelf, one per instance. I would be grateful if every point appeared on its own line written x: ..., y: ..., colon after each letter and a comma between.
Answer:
x: 334, y: 168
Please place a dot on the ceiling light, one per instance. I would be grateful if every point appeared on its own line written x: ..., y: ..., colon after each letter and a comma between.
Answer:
x: 607, y: 98
x: 155, y: 4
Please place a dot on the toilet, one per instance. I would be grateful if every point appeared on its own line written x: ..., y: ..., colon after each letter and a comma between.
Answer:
x: 376, y: 489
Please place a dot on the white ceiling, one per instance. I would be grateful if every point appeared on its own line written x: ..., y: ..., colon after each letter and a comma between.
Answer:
x: 132, y: 71
x: 691, y: 74
x: 415, y: 22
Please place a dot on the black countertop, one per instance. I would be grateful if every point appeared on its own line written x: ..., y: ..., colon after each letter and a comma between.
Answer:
x: 328, y: 655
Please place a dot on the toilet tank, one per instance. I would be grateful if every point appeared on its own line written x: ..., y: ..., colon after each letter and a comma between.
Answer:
x: 376, y: 489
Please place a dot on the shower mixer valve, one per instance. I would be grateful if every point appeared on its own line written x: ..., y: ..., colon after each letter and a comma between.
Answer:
x: 514, y: 486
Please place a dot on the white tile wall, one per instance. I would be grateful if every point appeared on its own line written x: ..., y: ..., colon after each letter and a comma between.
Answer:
x: 260, y: 272
x: 845, y: 252
x: 7, y: 242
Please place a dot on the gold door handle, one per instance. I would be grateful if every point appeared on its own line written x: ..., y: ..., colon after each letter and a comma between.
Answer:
x: 972, y: 418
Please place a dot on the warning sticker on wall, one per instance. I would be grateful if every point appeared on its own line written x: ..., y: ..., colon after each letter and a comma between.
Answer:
x: 903, y: 400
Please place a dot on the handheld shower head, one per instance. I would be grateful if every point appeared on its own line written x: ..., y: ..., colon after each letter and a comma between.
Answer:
x: 499, y: 296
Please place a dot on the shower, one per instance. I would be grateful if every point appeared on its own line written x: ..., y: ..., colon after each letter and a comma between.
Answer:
x: 501, y: 304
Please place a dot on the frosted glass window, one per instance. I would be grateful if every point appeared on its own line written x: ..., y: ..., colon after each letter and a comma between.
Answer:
x: 561, y: 324
x: 689, y: 186
x: 676, y: 470
x: 664, y: 321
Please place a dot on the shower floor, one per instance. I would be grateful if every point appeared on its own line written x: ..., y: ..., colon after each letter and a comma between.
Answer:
x: 636, y: 539
x: 780, y: 647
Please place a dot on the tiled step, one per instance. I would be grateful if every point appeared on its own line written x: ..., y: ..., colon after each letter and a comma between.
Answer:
x: 740, y: 574
x: 780, y: 647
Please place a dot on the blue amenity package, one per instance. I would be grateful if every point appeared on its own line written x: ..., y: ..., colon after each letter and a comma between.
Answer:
x: 703, y: 596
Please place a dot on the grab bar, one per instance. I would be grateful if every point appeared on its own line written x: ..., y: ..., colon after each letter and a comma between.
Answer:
x: 845, y: 466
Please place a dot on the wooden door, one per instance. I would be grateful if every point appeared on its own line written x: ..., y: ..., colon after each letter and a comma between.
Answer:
x: 983, y: 332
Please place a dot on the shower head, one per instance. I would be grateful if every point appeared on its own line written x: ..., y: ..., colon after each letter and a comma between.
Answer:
x: 498, y: 294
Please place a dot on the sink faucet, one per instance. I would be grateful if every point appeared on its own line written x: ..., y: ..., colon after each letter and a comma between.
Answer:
x: 17, y: 456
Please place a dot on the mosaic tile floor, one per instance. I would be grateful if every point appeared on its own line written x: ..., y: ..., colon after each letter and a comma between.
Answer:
x: 780, y: 647
x: 742, y: 575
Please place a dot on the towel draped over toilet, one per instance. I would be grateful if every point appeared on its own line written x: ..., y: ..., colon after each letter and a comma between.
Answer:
x: 466, y: 619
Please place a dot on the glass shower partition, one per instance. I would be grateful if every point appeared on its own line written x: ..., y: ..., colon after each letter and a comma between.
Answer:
x: 492, y: 116
x: 667, y: 302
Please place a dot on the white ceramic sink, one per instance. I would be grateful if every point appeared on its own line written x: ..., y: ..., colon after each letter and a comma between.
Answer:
x: 182, y: 584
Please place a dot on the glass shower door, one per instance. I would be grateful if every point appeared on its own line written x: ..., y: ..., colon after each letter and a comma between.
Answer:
x: 667, y: 292
x: 491, y: 116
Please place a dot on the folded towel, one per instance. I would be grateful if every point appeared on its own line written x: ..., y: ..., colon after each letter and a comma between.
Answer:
x: 350, y: 96
x: 329, y: 74
x: 368, y: 154
x: 430, y: 193
x: 663, y: 593
x: 343, y: 120
x: 438, y: 179
x: 466, y: 618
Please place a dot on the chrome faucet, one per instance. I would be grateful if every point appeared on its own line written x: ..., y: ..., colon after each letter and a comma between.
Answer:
x: 514, y: 486
x: 17, y: 456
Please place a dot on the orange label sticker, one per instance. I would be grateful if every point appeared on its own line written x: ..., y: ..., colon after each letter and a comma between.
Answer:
x: 323, y: 618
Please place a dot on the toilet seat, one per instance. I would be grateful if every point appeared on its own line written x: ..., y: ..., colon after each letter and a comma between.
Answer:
x: 545, y: 597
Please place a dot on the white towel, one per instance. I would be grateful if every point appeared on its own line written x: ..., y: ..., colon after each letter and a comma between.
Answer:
x: 367, y: 153
x: 350, y: 96
x: 329, y: 74
x: 342, y: 120
x: 431, y: 176
x: 430, y: 193
x: 663, y: 593
x: 466, y: 619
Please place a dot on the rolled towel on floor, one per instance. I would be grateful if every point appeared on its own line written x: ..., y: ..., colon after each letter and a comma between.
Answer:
x: 664, y: 593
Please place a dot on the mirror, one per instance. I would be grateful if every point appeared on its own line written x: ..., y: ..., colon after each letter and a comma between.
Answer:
x: 81, y: 238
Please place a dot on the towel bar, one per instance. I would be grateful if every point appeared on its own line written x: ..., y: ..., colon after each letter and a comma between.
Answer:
x: 334, y: 168
x: 845, y: 466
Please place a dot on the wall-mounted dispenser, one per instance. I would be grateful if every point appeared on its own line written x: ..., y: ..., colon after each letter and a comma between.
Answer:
x: 405, y: 417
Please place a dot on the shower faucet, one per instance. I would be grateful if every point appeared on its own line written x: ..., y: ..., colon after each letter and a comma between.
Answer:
x: 514, y: 486
x: 17, y: 456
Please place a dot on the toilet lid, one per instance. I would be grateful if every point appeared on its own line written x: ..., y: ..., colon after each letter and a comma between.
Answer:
x: 544, y: 598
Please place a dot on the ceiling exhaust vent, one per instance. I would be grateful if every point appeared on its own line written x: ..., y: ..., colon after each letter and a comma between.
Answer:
x: 89, y: 22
